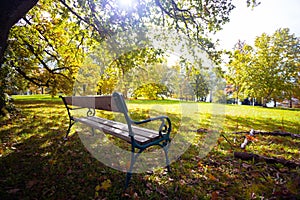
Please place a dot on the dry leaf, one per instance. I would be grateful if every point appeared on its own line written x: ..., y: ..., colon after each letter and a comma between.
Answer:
x: 13, y: 191
x: 212, y: 177
x: 214, y: 195
x: 31, y: 183
x: 251, y: 138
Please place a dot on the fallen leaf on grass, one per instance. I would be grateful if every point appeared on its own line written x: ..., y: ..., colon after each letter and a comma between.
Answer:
x: 212, y: 177
x: 31, y: 183
x: 52, y: 162
x: 214, y: 195
x: 104, y: 185
x: 251, y: 138
x: 149, y: 186
x: 182, y: 182
x: 148, y: 192
x: 131, y: 194
x: 13, y: 191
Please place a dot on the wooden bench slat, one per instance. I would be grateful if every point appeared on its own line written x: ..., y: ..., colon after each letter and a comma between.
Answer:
x: 96, y: 102
x: 118, y: 131
x: 140, y: 131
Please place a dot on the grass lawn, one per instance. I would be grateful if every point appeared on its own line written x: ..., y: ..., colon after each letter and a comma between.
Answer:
x: 36, y: 163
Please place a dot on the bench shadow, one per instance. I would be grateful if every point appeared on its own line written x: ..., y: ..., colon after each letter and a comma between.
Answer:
x: 38, y: 164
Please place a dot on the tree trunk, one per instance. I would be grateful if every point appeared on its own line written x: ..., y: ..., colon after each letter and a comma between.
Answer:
x: 11, y: 11
x: 264, y: 104
x: 258, y: 158
x: 274, y: 133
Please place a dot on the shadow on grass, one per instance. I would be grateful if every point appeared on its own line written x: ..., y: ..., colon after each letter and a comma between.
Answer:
x: 38, y: 164
x: 235, y: 123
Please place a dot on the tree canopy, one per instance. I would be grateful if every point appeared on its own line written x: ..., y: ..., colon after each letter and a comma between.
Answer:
x: 45, y: 41
x: 269, y: 70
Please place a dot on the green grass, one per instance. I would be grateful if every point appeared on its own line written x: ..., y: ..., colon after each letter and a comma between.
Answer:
x: 36, y: 163
x: 35, y: 97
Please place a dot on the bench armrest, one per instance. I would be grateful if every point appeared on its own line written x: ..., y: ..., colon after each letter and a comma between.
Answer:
x: 165, y: 128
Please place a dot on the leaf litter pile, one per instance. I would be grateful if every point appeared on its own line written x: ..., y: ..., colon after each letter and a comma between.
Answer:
x: 35, y: 163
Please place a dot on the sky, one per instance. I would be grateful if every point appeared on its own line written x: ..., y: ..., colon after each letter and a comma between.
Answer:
x: 247, y: 23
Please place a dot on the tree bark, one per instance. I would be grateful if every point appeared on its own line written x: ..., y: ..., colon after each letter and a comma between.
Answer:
x: 291, y: 103
x: 11, y: 11
x: 264, y: 103
x: 274, y: 133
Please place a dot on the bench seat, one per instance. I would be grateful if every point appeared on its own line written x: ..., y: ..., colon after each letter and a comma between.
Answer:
x: 141, y: 135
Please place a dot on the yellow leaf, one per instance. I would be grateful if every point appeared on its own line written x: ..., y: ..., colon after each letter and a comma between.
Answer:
x: 96, y: 194
x: 104, y: 185
x: 52, y: 162
x: 97, y: 188
x: 200, y: 164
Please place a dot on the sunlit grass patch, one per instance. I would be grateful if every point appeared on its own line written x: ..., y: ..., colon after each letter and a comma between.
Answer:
x: 36, y: 97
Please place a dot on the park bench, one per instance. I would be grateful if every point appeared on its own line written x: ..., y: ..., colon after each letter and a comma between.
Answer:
x: 140, y: 138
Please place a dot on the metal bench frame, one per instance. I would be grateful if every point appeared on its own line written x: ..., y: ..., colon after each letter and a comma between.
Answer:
x: 116, y: 103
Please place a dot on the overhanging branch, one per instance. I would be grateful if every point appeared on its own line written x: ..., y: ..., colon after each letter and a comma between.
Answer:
x: 101, y: 32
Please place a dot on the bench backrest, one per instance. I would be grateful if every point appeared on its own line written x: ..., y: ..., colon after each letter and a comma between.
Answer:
x: 96, y: 102
x: 113, y: 103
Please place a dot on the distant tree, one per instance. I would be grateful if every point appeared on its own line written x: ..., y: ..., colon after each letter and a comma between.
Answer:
x: 87, y: 79
x: 276, y: 65
x: 151, y: 91
x: 200, y: 85
x: 238, y: 71
x: 270, y: 70
x: 122, y: 71
x: 108, y: 81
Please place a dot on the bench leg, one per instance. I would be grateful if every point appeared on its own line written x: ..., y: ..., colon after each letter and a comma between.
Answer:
x: 128, y: 177
x: 134, y: 157
x: 93, y: 132
x: 129, y: 172
x: 166, y: 150
x: 71, y: 123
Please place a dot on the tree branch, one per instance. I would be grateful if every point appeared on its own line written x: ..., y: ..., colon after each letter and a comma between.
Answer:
x: 274, y: 133
x: 258, y: 158
x: 44, y: 38
x: 31, y: 48
x: 101, y: 32
x: 33, y: 80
